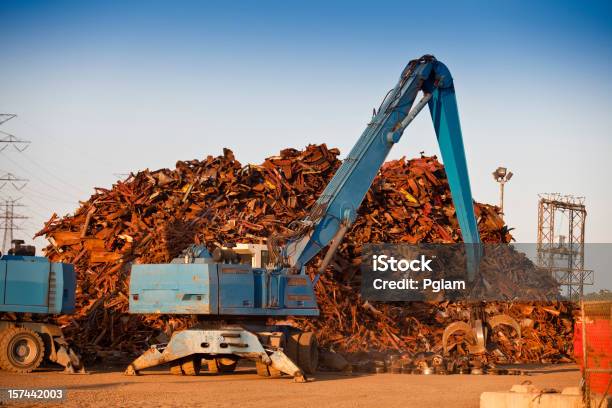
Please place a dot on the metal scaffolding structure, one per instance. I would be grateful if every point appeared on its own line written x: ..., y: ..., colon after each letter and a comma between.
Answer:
x: 563, y: 255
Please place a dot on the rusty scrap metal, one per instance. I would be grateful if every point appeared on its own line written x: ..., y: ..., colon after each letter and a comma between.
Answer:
x: 152, y: 216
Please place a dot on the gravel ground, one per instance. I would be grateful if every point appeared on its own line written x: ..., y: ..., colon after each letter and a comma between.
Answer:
x: 106, y: 386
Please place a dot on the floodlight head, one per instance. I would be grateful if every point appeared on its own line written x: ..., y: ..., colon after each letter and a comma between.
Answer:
x: 499, y: 174
x: 509, y: 175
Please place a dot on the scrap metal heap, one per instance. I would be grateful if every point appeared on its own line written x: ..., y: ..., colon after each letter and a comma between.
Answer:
x: 152, y: 216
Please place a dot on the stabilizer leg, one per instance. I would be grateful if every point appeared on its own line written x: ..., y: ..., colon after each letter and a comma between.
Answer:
x: 150, y: 358
x: 282, y: 363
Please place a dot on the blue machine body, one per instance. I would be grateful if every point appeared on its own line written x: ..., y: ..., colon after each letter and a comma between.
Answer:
x: 208, y: 288
x: 201, y: 286
x: 33, y: 284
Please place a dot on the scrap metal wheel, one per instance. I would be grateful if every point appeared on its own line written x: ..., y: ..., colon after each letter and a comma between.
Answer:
x: 21, y: 350
x: 221, y: 365
x: 308, y: 352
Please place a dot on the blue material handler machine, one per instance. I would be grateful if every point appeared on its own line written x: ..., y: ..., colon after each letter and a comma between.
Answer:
x: 236, y: 290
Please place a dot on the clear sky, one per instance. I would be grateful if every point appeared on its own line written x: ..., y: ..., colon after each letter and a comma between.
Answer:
x: 103, y: 88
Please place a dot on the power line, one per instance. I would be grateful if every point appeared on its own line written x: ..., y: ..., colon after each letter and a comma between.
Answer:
x: 59, y: 179
x: 40, y: 215
x: 32, y: 204
x: 20, y: 145
x: 53, y: 188
x: 35, y: 128
x: 36, y: 176
x: 49, y: 197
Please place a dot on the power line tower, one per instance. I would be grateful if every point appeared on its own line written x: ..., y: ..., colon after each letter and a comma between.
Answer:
x: 17, y: 182
x: 563, y: 255
x: 9, y: 226
x: 8, y: 217
x: 7, y: 209
x: 7, y: 139
x: 5, y: 117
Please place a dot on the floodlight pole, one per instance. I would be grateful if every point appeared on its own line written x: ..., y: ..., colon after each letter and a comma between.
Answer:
x: 502, y: 176
x: 501, y: 196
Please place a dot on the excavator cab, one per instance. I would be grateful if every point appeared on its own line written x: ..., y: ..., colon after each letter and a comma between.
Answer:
x: 256, y: 255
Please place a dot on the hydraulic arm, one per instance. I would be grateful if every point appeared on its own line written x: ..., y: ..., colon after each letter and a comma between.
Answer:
x: 336, y: 208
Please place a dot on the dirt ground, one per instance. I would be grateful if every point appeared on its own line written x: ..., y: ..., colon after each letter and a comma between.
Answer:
x: 106, y: 386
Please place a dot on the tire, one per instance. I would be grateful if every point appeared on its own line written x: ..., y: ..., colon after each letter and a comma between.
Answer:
x: 227, y: 365
x: 2, y: 333
x: 222, y: 365
x: 291, y: 347
x: 21, y: 350
x: 308, y: 353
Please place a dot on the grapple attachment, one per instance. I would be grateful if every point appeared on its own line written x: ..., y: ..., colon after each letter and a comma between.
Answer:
x: 476, y: 333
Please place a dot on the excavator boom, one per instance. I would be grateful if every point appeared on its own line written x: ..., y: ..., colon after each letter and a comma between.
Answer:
x: 336, y: 208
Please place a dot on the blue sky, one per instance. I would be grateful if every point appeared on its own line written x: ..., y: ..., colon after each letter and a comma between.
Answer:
x: 111, y: 87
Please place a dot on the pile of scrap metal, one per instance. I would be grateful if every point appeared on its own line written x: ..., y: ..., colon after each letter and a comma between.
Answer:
x: 151, y: 216
x: 417, y: 345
